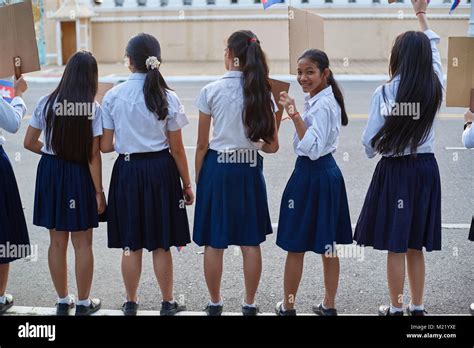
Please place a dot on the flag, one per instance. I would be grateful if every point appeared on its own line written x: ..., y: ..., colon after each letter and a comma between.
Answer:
x: 268, y: 3
x: 453, y: 7
x: 6, y: 90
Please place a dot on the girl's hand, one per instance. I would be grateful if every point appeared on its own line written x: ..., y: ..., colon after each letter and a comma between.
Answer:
x: 419, y: 5
x: 188, y: 196
x: 288, y: 103
x: 469, y: 116
x: 100, y: 197
x: 20, y: 86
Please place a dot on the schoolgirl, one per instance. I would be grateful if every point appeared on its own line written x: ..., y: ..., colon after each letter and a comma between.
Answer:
x: 231, y: 206
x: 402, y: 208
x: 13, y: 231
x: 314, y: 212
x: 68, y: 194
x: 147, y: 203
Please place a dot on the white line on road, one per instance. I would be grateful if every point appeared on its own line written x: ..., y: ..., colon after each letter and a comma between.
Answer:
x: 455, y: 148
x: 447, y: 226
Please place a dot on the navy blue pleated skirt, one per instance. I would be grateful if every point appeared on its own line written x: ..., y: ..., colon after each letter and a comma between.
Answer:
x: 402, y: 209
x: 471, y: 231
x: 64, y: 196
x: 314, y: 212
x: 146, y: 205
x: 231, y: 203
x: 14, y: 240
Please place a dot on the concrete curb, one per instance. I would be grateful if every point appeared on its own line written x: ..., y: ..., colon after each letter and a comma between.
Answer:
x: 49, y: 311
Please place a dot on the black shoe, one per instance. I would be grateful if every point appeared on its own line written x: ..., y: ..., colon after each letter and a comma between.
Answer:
x: 6, y: 306
x: 287, y: 313
x: 130, y: 308
x: 63, y: 309
x: 213, y: 311
x: 384, y: 311
x: 416, y: 312
x: 168, y: 308
x: 92, y: 308
x: 248, y: 311
x: 327, y: 312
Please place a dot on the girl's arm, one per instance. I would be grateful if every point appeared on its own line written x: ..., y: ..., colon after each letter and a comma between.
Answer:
x: 31, y: 141
x: 274, y: 145
x: 420, y: 6
x: 95, y: 167
x: 289, y: 104
x: 179, y: 154
x: 202, y: 141
x: 107, y: 141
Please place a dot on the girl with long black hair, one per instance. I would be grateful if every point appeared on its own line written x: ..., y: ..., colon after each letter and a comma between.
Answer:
x: 147, y: 201
x: 231, y: 206
x: 69, y: 195
x: 402, y: 209
x: 314, y: 213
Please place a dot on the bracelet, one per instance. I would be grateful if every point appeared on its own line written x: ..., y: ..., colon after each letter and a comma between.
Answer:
x: 420, y: 12
x: 467, y: 124
x: 293, y: 115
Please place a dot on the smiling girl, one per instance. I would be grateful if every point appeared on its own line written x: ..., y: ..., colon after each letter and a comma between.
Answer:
x: 314, y: 213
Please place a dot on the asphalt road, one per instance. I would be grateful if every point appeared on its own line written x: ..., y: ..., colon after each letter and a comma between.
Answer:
x: 450, y: 273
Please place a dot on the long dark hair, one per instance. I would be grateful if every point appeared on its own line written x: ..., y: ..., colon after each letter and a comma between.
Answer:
x: 411, y: 59
x: 258, y: 107
x: 69, y: 135
x: 139, y: 49
x: 321, y: 60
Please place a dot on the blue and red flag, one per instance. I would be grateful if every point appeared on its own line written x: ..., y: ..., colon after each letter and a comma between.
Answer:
x: 268, y: 3
x: 454, y: 5
x: 6, y: 90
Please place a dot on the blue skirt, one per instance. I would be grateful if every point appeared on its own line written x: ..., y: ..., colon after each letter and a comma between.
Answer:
x: 146, y: 205
x: 402, y: 209
x: 64, y: 196
x: 14, y: 240
x: 314, y: 212
x: 231, y: 203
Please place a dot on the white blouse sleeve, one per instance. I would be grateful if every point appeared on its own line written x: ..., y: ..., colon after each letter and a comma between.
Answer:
x: 374, y: 124
x: 12, y: 114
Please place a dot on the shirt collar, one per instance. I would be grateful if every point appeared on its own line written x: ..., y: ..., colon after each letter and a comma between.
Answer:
x: 233, y: 73
x: 137, y: 76
x: 324, y: 93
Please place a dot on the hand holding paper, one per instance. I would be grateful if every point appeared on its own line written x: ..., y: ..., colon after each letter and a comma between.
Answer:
x: 288, y: 103
x: 20, y: 86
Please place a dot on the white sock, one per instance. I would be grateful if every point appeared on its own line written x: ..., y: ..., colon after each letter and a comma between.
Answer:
x: 395, y: 309
x: 220, y: 303
x: 253, y: 305
x: 416, y: 308
x: 85, y: 303
x: 283, y: 309
x: 322, y: 305
x: 172, y: 301
x: 68, y: 299
x: 5, y: 297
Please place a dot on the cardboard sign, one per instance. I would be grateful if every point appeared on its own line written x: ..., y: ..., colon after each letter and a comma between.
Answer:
x: 18, y: 38
x: 306, y: 30
x: 277, y: 87
x: 460, y: 72
x: 102, y: 90
x: 6, y: 90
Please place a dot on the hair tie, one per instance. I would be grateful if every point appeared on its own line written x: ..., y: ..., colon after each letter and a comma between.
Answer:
x: 152, y: 63
x: 253, y: 39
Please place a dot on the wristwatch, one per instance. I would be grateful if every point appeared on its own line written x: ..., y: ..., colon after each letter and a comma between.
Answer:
x: 467, y: 124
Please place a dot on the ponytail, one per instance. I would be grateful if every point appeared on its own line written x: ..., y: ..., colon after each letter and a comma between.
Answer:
x: 144, y: 52
x: 339, y: 98
x: 258, y: 106
x: 322, y: 61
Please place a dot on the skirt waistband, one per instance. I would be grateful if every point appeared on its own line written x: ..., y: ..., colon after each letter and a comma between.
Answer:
x: 407, y: 158
x: 144, y: 155
x: 323, y: 162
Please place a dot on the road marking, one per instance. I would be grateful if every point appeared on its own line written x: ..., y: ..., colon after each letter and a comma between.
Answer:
x: 446, y: 226
x: 49, y: 311
x: 456, y: 148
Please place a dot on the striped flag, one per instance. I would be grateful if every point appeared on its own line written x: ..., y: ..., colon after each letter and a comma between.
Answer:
x: 6, y: 90
x: 268, y: 3
x: 454, y: 5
